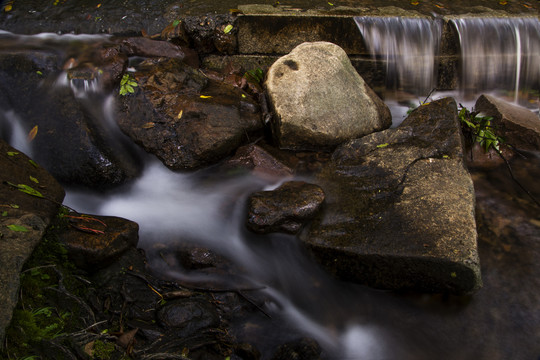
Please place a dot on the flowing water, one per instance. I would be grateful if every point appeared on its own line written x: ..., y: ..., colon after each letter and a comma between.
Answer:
x: 499, y: 53
x: 408, y: 46
x: 350, y: 321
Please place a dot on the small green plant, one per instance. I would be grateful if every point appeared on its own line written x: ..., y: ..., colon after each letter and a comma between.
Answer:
x: 480, y: 129
x: 127, y: 85
x: 255, y: 75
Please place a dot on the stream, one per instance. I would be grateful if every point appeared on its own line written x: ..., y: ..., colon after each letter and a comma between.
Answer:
x: 350, y: 321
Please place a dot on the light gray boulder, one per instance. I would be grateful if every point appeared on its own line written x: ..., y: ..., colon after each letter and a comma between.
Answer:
x: 319, y: 99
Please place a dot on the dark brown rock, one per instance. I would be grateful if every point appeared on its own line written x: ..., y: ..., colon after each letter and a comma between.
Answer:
x: 140, y: 46
x: 74, y: 142
x: 399, y: 212
x: 94, y: 242
x: 188, y: 316
x: 260, y: 162
x: 284, y: 209
x: 23, y: 221
x: 518, y: 126
x: 185, y: 119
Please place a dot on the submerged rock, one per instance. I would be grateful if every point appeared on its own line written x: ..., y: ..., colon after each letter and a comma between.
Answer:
x: 320, y: 100
x: 23, y: 222
x: 284, y: 209
x: 185, y: 119
x: 399, y: 210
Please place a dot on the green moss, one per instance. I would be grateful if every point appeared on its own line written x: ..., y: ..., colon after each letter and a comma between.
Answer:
x: 37, y: 317
x: 103, y: 350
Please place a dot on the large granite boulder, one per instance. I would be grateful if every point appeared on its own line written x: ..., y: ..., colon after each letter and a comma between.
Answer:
x: 399, y: 208
x: 519, y: 126
x: 185, y: 119
x: 320, y: 100
x: 23, y: 222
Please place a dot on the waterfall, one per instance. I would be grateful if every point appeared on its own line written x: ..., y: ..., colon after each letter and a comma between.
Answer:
x: 499, y: 53
x: 408, y: 46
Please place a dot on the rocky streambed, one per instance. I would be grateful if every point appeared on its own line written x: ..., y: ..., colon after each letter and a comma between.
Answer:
x: 393, y: 208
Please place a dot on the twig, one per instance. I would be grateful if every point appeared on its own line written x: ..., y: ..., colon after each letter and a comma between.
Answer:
x: 516, y: 180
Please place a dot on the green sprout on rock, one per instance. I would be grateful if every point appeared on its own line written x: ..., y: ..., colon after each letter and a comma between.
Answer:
x: 480, y: 129
x: 127, y: 85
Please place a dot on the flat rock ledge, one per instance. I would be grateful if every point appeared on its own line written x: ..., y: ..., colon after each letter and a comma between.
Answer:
x: 400, y: 208
x: 23, y: 222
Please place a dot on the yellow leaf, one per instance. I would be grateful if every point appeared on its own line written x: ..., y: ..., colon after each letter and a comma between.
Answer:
x: 148, y: 125
x: 206, y: 97
x: 34, y: 179
x: 503, y: 2
x: 180, y: 114
x: 32, y: 134
x: 228, y: 29
x: 415, y: 3
x: 8, y: 8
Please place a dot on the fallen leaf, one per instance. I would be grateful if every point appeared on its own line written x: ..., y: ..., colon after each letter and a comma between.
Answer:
x: 228, y: 29
x: 34, y: 179
x: 33, y: 163
x: 148, y: 125
x: 126, y: 339
x: 12, y: 153
x: 18, y: 228
x: 180, y: 114
x: 415, y: 3
x: 206, y: 96
x: 382, y: 145
x: 32, y: 134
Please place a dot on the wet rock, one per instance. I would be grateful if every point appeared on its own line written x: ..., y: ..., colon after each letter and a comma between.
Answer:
x: 94, y: 242
x: 320, y: 100
x: 207, y: 33
x: 144, y: 47
x: 23, y: 221
x: 260, y: 162
x: 518, y: 126
x: 104, y: 63
x: 74, y: 140
x: 303, y: 349
x: 185, y: 119
x: 187, y: 316
x: 284, y: 209
x: 399, y: 210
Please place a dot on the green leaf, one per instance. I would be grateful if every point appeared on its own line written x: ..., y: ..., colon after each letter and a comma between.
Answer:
x: 14, y: 206
x: 27, y: 190
x: 34, y: 179
x: 12, y: 153
x: 380, y: 146
x: 228, y: 29
x: 33, y: 163
x: 18, y: 228
x: 4, y: 213
x: 176, y: 23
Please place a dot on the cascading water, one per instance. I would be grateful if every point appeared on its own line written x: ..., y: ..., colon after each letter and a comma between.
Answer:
x: 499, y: 53
x: 408, y: 46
